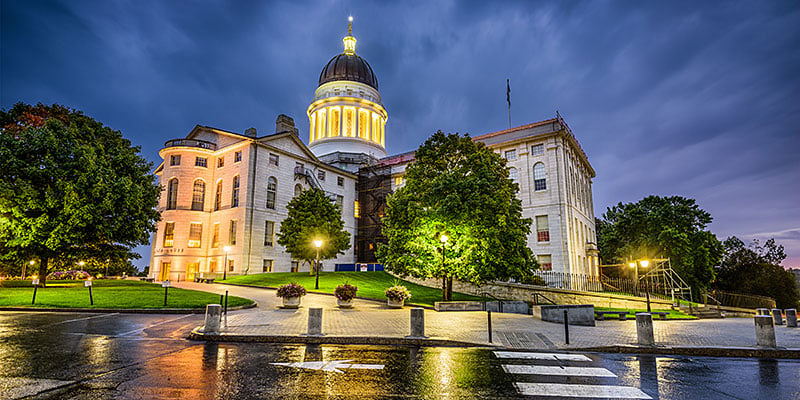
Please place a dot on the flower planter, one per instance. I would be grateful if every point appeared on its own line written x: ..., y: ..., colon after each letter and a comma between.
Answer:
x: 344, y: 303
x: 291, y: 302
x: 395, y: 303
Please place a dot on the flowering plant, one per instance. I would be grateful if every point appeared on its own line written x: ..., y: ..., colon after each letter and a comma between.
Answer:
x: 345, y: 292
x: 397, y: 293
x: 70, y: 275
x: 293, y: 289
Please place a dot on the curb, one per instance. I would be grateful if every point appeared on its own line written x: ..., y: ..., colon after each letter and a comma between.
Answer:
x: 743, y: 352
x: 321, y: 293
x: 197, y: 334
x: 125, y: 310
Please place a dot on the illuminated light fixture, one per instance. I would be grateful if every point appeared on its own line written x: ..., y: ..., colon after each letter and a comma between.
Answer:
x: 318, y: 243
x: 644, y: 263
x: 443, y: 238
x: 349, y: 41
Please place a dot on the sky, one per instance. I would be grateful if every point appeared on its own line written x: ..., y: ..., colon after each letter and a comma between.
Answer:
x: 697, y: 99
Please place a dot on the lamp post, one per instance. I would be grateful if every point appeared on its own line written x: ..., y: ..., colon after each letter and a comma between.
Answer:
x: 225, y: 263
x: 443, y: 238
x: 635, y: 265
x: 317, y: 244
x: 32, y: 262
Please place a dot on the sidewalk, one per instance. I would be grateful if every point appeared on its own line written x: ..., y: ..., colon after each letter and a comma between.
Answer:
x: 369, y: 319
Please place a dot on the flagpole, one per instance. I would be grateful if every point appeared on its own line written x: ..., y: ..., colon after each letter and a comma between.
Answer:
x: 508, y: 99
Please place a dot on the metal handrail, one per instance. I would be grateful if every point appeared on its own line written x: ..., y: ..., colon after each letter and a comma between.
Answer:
x: 536, y: 298
x: 487, y: 294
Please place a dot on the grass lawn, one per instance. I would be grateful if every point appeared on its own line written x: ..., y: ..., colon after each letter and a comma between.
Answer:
x: 370, y: 284
x: 673, y: 314
x: 107, y: 294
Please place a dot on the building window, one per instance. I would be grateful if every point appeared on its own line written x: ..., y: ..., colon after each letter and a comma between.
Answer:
x: 220, y: 162
x: 542, y: 229
x: 230, y: 265
x: 201, y: 162
x: 175, y: 160
x: 363, y: 124
x: 273, y: 159
x: 340, y: 181
x: 357, y: 210
x: 237, y: 156
x: 268, y: 265
x: 218, y: 196
x: 340, y: 201
x: 511, y: 155
x: 195, y: 234
x: 172, y: 194
x: 295, y: 265
x: 198, y: 195
x: 321, y: 175
x: 169, y: 234
x: 512, y: 174
x: 269, y: 233
x: 215, y: 235
x: 537, y: 150
x: 272, y: 188
x: 539, y: 177
x: 398, y: 180
x: 235, y: 192
x: 212, y: 266
x: 232, y: 233
x: 545, y: 262
x: 298, y: 188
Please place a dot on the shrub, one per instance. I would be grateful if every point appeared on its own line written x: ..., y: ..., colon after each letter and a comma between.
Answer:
x: 397, y: 293
x: 293, y: 289
x: 69, y: 275
x: 345, y: 292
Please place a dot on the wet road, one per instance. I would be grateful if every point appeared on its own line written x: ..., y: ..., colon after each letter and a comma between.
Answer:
x: 91, y: 356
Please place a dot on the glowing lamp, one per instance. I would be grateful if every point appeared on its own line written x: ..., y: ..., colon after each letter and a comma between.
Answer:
x: 318, y: 243
x: 644, y: 263
x: 443, y: 238
x: 632, y: 265
x: 227, y: 248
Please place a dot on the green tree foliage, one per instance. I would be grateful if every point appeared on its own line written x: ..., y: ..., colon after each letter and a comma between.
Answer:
x: 459, y: 188
x: 312, y: 216
x: 662, y: 227
x: 70, y: 188
x: 755, y: 269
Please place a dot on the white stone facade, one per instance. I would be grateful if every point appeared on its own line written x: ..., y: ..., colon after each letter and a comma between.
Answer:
x: 251, y: 160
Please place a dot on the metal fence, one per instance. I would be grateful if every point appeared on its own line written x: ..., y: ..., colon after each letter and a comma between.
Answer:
x: 587, y: 283
x: 742, y: 300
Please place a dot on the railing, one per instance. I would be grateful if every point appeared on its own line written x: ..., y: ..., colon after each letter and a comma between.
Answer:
x: 536, y: 297
x: 563, y: 280
x: 743, y: 300
x: 587, y: 283
x: 191, y: 143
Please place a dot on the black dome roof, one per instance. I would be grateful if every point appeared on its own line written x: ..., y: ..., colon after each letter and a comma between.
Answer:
x: 347, y: 67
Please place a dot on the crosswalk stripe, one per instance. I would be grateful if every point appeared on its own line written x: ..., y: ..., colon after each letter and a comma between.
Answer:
x: 541, y: 356
x: 569, y: 390
x: 557, y: 370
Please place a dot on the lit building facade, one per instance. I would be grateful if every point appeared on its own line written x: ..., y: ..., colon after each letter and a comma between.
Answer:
x: 226, y: 190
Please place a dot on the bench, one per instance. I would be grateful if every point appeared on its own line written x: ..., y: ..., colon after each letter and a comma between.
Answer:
x: 601, y: 315
x: 204, y: 280
x: 661, y: 314
x: 151, y: 280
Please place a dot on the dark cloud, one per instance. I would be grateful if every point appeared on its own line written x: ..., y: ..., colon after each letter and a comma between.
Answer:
x: 697, y: 99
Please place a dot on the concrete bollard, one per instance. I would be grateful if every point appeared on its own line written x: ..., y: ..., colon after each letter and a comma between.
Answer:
x: 213, y: 314
x: 765, y: 331
x: 417, y: 322
x: 315, y: 322
x: 762, y: 311
x: 777, y: 318
x: 644, y: 329
x: 791, y: 317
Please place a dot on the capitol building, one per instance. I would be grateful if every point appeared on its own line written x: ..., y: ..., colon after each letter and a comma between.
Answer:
x: 225, y: 193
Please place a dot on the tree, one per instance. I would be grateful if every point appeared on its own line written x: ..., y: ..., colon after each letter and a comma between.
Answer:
x: 312, y: 216
x: 459, y: 189
x: 755, y: 269
x: 662, y: 227
x: 70, y: 187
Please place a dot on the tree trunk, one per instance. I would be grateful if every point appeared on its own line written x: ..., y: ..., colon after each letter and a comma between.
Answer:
x: 449, y: 288
x: 42, y: 272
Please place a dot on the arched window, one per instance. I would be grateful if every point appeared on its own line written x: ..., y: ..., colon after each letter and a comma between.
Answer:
x: 172, y: 194
x: 272, y: 188
x: 218, y: 196
x: 198, y: 195
x: 512, y: 174
x: 235, y: 192
x: 539, y: 177
x: 298, y: 189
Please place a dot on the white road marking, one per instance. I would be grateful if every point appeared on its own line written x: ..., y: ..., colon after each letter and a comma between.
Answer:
x: 330, y: 366
x: 568, y: 390
x: 148, y: 327
x: 556, y: 370
x: 83, y: 319
x: 541, y: 356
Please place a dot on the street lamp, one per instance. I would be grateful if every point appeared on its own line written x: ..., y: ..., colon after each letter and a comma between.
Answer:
x: 225, y: 263
x: 317, y: 244
x: 443, y: 238
x: 635, y: 265
x: 32, y: 262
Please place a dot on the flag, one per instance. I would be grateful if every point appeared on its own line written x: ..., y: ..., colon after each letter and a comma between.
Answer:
x: 508, y: 92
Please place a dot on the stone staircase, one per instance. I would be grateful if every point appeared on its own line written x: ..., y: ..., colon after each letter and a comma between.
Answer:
x: 702, y: 311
